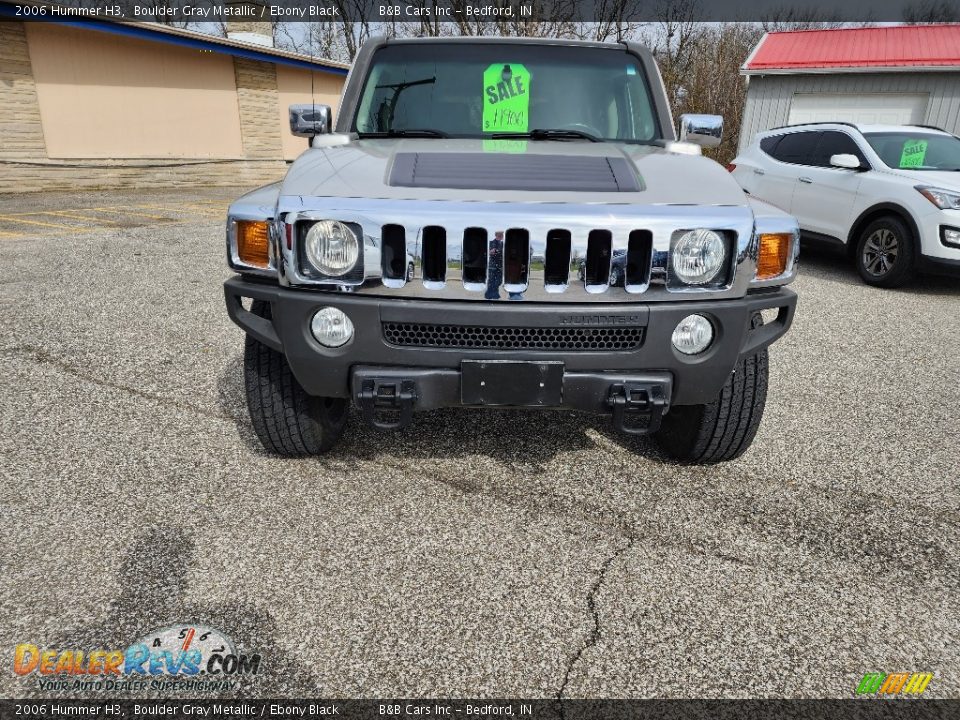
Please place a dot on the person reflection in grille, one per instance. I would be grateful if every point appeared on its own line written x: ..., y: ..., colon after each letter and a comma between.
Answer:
x: 495, y: 271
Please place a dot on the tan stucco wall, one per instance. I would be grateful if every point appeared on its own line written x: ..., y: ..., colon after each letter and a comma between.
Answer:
x: 85, y: 109
x: 293, y: 85
x: 107, y: 96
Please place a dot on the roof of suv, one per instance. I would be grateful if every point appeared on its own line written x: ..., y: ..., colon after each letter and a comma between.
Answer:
x: 863, y: 128
x: 900, y: 128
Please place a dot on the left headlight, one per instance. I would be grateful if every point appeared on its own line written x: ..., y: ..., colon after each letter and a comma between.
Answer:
x: 698, y: 256
x: 943, y: 199
x: 331, y: 247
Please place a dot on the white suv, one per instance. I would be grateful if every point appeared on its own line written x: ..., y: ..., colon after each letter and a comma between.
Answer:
x: 889, y: 193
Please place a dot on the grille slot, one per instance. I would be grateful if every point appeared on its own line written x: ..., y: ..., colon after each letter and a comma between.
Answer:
x: 394, y: 243
x: 475, y: 257
x: 556, y: 266
x: 597, y: 272
x: 434, y: 255
x: 584, y: 339
x: 639, y: 252
x: 516, y: 260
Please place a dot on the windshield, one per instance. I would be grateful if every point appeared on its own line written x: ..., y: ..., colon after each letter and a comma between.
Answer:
x: 485, y: 90
x: 916, y: 151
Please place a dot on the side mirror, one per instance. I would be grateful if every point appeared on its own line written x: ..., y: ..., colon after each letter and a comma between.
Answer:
x: 845, y: 161
x: 703, y: 130
x: 310, y: 120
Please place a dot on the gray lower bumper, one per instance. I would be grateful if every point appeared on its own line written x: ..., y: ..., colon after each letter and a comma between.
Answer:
x: 328, y: 372
x: 401, y: 391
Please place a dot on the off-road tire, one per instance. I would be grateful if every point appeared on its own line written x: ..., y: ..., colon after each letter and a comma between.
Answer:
x: 723, y: 429
x: 286, y: 419
x: 901, y: 271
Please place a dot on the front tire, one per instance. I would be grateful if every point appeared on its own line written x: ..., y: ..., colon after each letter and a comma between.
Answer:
x: 723, y: 429
x: 286, y: 419
x: 885, y: 253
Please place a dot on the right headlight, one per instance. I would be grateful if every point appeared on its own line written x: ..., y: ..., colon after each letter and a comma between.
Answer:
x: 943, y: 199
x: 698, y: 256
x: 332, y: 247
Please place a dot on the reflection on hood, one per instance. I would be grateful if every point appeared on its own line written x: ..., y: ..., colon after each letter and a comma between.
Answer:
x: 510, y: 171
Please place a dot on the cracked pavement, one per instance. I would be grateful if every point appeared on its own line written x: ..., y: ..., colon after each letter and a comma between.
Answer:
x: 490, y: 554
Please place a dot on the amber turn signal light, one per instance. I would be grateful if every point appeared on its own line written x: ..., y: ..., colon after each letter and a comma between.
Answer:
x: 774, y: 253
x: 253, y: 243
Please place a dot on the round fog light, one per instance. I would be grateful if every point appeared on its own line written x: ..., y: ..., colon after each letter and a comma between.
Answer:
x: 693, y: 335
x: 331, y: 327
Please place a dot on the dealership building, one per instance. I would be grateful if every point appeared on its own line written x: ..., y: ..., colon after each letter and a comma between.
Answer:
x: 91, y: 103
x: 907, y: 74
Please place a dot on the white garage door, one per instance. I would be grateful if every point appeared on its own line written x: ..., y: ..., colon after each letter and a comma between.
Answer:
x: 870, y: 109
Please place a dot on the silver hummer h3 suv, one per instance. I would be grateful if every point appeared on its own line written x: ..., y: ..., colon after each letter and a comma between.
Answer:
x: 508, y: 223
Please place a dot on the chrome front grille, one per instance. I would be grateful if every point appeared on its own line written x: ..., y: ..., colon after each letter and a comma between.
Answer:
x: 485, y: 261
x: 513, y: 338
x: 540, y: 252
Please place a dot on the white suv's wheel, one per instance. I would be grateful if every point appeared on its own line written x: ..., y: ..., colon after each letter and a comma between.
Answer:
x: 885, y: 253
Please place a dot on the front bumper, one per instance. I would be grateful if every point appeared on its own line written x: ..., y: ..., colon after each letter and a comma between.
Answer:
x: 936, y: 256
x: 939, y: 266
x: 587, y: 374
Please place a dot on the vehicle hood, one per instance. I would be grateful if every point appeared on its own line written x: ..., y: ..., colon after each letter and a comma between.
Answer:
x: 942, y: 179
x: 510, y: 171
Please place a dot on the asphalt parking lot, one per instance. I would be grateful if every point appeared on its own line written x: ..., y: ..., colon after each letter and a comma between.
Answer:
x: 498, y: 554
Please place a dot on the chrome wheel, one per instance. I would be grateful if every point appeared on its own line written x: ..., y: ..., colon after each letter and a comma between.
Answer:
x: 880, y: 252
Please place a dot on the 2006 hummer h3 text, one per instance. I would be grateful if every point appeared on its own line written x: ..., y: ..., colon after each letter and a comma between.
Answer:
x: 508, y: 223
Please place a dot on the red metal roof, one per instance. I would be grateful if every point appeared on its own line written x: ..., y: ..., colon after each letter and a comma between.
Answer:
x: 899, y: 46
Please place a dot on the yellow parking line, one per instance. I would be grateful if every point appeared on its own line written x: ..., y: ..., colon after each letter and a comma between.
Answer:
x: 72, y: 214
x: 184, y: 209
x: 160, y: 207
x: 12, y: 218
x: 124, y: 211
x: 29, y: 214
x: 10, y: 234
x: 206, y: 208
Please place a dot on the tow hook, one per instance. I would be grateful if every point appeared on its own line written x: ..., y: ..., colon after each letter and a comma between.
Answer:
x: 379, y: 396
x: 631, y: 399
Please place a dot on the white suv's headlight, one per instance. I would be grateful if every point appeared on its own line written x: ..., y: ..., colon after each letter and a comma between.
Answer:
x: 698, y: 256
x: 332, y: 247
x: 943, y: 199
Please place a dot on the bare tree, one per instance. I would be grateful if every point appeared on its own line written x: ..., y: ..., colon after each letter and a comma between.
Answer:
x: 800, y: 18
x: 931, y: 11
x: 700, y: 62
x: 712, y: 82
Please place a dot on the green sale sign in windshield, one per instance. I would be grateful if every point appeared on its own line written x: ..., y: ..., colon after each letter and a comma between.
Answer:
x: 914, y: 152
x: 506, y: 101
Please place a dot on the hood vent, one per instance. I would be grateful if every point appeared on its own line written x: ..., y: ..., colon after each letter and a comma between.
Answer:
x: 509, y: 171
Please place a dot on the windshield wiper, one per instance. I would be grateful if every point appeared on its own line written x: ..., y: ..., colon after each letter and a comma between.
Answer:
x: 404, y: 132
x: 548, y: 134
x: 391, y: 105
